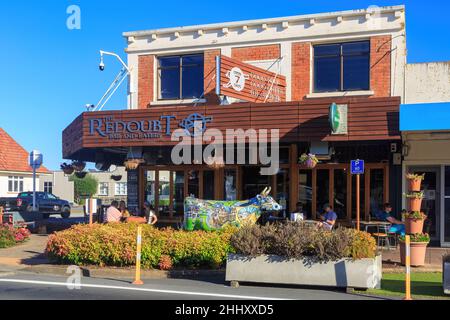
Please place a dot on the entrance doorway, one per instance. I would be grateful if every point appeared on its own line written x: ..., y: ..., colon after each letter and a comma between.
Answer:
x: 431, y: 202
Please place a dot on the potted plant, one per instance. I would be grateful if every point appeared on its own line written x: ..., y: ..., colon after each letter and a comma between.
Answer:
x: 133, y: 164
x: 419, y: 243
x: 309, y: 160
x: 415, y: 201
x: 79, y: 165
x: 67, y: 168
x: 446, y: 273
x: 415, y: 181
x: 414, y: 222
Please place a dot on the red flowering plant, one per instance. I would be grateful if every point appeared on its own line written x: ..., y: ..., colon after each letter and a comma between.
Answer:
x: 11, y: 235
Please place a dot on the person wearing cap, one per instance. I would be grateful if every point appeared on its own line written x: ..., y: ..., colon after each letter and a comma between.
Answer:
x: 328, y: 219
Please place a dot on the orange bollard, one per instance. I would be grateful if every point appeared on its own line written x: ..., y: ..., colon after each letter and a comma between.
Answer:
x: 137, y: 279
x: 408, y: 268
x: 1, y: 215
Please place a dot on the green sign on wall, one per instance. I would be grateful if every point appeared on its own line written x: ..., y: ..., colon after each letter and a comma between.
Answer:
x: 338, y: 118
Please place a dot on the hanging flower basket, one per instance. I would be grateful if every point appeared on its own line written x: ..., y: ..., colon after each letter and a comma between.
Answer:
x: 79, y: 165
x: 133, y: 164
x: 116, y: 177
x: 414, y: 182
x: 309, y: 160
x: 67, y: 168
x: 81, y: 175
x: 215, y: 163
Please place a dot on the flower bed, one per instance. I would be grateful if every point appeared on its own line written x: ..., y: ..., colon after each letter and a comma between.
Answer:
x: 11, y: 236
x: 115, y: 245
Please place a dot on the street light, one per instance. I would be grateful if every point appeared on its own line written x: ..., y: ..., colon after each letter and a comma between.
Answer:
x: 120, y: 78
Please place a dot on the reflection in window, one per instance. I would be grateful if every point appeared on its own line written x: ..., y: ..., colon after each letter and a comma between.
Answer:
x: 178, y: 190
x: 323, y: 190
x: 150, y: 187
x: 305, y: 191
x: 376, y: 191
x: 208, y: 185
x: 340, y: 193
x: 254, y: 182
x: 181, y: 77
x: 164, y: 192
x: 193, y: 183
x: 283, y: 190
x: 230, y: 185
x: 342, y: 67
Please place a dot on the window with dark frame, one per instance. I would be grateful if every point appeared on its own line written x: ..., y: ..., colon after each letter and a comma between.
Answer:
x: 48, y: 187
x: 342, y: 67
x: 180, y: 77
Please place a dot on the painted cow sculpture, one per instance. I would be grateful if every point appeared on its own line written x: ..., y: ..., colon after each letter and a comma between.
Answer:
x: 211, y: 215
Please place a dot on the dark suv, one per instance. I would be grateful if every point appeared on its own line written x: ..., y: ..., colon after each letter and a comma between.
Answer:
x: 46, y: 203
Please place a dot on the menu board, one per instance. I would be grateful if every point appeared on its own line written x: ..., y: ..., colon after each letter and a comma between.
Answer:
x: 133, y: 191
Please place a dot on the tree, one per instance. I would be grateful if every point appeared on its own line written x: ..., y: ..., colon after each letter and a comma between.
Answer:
x: 84, y: 188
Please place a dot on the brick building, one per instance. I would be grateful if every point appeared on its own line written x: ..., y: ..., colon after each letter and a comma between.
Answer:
x: 354, y: 60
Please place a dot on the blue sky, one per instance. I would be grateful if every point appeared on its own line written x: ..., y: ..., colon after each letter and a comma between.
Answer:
x: 51, y: 72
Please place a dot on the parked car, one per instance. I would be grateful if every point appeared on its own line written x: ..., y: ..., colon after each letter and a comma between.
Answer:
x: 46, y: 203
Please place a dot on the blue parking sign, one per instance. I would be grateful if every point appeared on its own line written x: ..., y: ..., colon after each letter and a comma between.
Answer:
x: 357, y: 167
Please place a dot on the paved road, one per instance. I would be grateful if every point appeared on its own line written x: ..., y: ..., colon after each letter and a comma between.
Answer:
x: 27, y: 286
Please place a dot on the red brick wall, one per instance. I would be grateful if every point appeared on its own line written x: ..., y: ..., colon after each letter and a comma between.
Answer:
x: 301, y: 70
x: 267, y: 52
x: 380, y: 65
x: 145, y: 80
x: 209, y: 75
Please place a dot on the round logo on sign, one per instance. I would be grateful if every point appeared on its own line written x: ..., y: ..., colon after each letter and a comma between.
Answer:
x: 237, y: 79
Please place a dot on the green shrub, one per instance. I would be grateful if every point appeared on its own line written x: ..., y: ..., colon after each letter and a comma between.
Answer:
x: 115, y: 245
x: 296, y: 241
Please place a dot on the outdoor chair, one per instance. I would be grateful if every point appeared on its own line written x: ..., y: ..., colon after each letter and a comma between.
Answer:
x: 383, y: 237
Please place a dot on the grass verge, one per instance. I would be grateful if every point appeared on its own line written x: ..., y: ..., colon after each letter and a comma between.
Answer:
x: 423, y: 286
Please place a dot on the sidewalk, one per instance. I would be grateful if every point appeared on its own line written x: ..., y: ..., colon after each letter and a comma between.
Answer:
x: 433, y: 260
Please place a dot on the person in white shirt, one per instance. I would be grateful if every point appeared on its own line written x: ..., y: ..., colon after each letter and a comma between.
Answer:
x: 150, y: 214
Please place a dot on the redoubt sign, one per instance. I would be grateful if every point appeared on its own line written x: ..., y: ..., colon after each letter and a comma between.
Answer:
x: 246, y: 82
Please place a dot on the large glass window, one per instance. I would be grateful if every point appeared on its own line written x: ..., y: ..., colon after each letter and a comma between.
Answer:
x: 208, y: 185
x: 342, y: 67
x: 103, y: 189
x: 340, y: 193
x: 282, y: 196
x: 178, y: 190
x: 164, y: 192
x: 305, y: 191
x: 150, y: 187
x: 180, y: 77
x: 323, y: 190
x: 376, y: 192
x: 193, y: 183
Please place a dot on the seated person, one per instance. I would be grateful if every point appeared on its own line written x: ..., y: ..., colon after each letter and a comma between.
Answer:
x: 398, y: 226
x: 328, y: 219
x: 123, y: 209
x: 113, y: 215
x: 299, y: 214
x: 150, y: 214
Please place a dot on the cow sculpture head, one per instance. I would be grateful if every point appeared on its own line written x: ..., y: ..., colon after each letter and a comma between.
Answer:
x: 266, y: 202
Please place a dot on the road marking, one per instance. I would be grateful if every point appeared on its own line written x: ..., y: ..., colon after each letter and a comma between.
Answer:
x: 218, y: 295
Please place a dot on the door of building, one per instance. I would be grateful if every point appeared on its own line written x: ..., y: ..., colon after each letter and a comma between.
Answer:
x: 432, y: 201
x: 445, y: 225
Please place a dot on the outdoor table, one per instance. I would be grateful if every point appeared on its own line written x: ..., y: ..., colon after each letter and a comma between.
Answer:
x: 366, y: 225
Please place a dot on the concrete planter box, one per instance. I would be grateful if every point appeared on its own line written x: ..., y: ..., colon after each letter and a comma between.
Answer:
x: 362, y: 274
x: 446, y: 275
